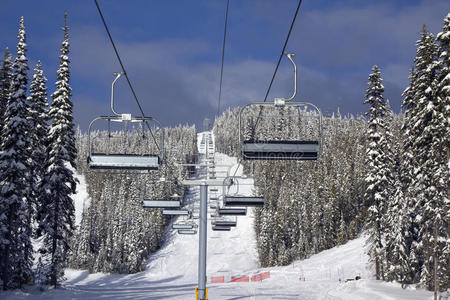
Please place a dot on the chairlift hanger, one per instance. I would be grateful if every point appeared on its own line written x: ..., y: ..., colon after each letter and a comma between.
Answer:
x: 255, y: 149
x: 221, y: 228
x: 123, y: 161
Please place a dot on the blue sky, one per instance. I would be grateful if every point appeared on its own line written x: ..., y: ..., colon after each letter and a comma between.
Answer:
x: 172, y: 51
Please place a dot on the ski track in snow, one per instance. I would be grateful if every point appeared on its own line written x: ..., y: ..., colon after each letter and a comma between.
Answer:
x: 172, y: 271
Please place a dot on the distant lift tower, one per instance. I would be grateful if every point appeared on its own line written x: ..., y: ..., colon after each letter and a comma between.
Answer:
x: 206, y: 124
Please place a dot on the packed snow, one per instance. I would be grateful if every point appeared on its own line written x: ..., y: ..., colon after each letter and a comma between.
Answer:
x: 81, y: 199
x: 172, y: 271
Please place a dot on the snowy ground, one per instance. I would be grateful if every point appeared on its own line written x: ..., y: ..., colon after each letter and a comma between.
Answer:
x: 172, y: 272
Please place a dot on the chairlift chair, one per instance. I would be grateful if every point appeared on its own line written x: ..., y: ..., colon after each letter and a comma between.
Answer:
x: 174, y: 201
x: 238, y: 200
x: 175, y: 212
x: 231, y: 211
x: 227, y: 223
x: 221, y: 228
x: 187, y: 231
x: 170, y: 204
x: 243, y: 201
x: 106, y: 160
x: 260, y: 148
x: 182, y: 226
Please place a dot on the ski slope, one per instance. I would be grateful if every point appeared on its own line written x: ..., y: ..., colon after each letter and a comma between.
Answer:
x: 172, y: 271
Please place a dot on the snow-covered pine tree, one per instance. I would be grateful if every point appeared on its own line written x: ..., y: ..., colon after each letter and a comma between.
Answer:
x: 407, y: 177
x: 376, y: 180
x: 15, y: 240
x: 342, y: 236
x: 56, y: 215
x: 443, y: 93
x: 391, y: 174
x: 434, y: 146
x: 38, y: 118
x: 5, y: 84
x: 420, y: 136
x: 396, y: 248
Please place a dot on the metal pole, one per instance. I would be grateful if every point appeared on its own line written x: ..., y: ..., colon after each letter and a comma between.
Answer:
x: 202, y: 242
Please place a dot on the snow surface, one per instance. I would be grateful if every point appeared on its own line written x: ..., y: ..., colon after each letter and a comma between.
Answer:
x: 172, y: 271
x: 81, y: 199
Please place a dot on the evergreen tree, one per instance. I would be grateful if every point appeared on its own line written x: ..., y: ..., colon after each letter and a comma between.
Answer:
x: 342, y: 236
x: 434, y: 177
x: 443, y: 145
x: 15, y: 240
x: 419, y: 137
x: 38, y: 118
x: 5, y: 85
x: 407, y: 177
x: 56, y: 215
x: 397, y: 268
x: 376, y: 179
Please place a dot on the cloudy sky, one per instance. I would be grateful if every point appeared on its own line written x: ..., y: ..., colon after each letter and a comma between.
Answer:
x: 172, y: 51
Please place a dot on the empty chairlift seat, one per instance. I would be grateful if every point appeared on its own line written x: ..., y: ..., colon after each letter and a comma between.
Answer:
x: 123, y: 161
x: 161, y: 204
x: 224, y: 211
x: 182, y: 226
x: 298, y: 124
x: 220, y: 228
x: 226, y: 223
x: 280, y: 150
x: 243, y: 201
x: 187, y: 231
x: 102, y: 148
x: 175, y: 212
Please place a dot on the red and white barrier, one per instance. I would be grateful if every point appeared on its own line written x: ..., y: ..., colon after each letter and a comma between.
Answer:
x: 260, y: 276
x: 218, y: 279
x: 239, y: 279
